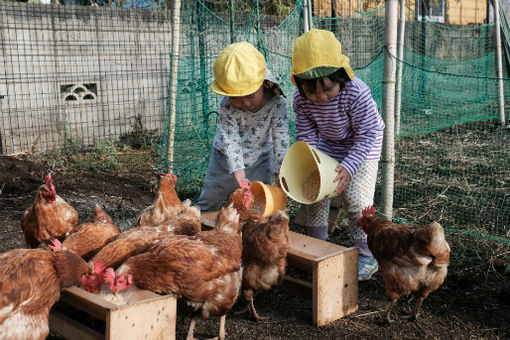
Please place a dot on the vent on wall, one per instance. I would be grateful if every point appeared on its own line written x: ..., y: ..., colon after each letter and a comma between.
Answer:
x: 78, y: 92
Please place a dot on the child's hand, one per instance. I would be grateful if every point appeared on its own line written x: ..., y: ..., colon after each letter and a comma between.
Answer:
x: 240, y: 178
x: 342, y: 178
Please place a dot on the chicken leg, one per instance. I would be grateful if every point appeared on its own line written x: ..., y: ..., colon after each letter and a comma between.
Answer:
x: 221, y: 332
x: 254, y: 312
x: 251, y: 307
x: 414, y: 314
x: 386, y: 316
x: 191, y: 330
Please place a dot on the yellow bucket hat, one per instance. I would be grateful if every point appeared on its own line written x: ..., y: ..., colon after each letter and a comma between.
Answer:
x: 318, y: 53
x: 240, y: 70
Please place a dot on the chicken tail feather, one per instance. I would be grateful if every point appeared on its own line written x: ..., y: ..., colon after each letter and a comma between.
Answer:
x: 438, y: 244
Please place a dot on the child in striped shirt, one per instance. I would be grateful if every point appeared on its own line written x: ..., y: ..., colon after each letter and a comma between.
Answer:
x: 252, y: 134
x: 335, y: 113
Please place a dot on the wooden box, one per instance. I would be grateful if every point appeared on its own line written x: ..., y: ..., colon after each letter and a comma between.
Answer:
x: 146, y: 315
x: 334, y: 269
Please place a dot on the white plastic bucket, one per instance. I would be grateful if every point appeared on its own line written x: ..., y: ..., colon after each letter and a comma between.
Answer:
x: 307, y: 174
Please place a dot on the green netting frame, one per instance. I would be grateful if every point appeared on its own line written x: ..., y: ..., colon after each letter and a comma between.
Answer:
x: 451, y: 154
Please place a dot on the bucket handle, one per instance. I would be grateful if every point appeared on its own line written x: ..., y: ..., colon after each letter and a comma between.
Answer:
x: 284, y: 184
x: 317, y: 159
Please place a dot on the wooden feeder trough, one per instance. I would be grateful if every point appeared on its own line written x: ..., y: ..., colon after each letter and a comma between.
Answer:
x: 334, y: 270
x: 146, y: 315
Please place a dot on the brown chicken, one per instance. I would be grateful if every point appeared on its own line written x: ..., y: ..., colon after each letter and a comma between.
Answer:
x: 138, y: 239
x: 203, y: 270
x: 265, y: 247
x: 48, y: 217
x: 242, y: 199
x: 166, y: 204
x: 413, y: 258
x: 30, y: 284
x: 87, y: 239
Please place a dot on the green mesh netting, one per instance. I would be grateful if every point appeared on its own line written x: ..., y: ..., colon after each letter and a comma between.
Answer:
x: 452, y: 156
x: 203, y: 35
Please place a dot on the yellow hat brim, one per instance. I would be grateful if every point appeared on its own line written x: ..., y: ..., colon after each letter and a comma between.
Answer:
x: 318, y: 48
x: 215, y: 87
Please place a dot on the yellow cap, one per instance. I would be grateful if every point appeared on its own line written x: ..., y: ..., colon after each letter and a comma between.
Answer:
x: 318, y: 49
x: 239, y: 70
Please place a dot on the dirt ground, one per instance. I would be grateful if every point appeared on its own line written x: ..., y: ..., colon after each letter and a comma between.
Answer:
x: 471, y: 304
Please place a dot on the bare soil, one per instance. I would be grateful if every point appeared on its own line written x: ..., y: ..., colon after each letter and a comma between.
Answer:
x: 471, y: 304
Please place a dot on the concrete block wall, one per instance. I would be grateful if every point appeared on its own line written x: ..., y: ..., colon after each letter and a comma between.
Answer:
x: 71, y: 73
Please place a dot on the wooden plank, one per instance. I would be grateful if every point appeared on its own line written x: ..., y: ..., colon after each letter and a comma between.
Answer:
x: 87, y: 302
x: 297, y: 287
x: 315, y: 249
x: 335, y: 287
x: 134, y: 294
x: 154, y: 319
x: 208, y: 218
x: 300, y: 260
x: 70, y: 328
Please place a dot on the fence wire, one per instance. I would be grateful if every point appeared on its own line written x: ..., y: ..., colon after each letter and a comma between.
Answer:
x: 72, y: 76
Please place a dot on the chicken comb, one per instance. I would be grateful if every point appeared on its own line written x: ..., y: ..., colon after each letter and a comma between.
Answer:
x: 370, y: 210
x: 248, y: 195
x: 109, y: 275
x: 244, y: 185
x: 247, y: 201
x: 47, y: 179
x: 98, y: 267
x: 89, y: 282
x: 56, y: 245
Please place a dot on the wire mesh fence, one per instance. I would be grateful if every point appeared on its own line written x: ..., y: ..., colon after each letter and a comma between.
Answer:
x: 73, y: 75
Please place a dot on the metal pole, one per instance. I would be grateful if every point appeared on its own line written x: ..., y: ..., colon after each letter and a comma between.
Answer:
x: 398, y: 91
x: 306, y: 27
x: 231, y: 21
x: 499, y: 63
x: 310, y: 15
x: 388, y: 154
x: 173, y: 79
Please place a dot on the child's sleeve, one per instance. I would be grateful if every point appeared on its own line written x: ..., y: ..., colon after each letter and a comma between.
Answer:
x: 228, y: 130
x: 365, y: 124
x: 306, y: 128
x: 280, y: 130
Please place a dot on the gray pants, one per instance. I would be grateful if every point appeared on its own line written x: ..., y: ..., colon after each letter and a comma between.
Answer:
x: 219, y: 183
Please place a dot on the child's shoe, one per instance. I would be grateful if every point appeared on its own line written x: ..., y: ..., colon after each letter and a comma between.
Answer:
x: 367, y: 266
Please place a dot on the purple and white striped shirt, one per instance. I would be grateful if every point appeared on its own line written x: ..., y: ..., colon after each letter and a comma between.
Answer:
x: 348, y: 128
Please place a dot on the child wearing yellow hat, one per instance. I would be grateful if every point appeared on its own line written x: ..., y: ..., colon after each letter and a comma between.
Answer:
x: 335, y: 112
x: 252, y: 134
